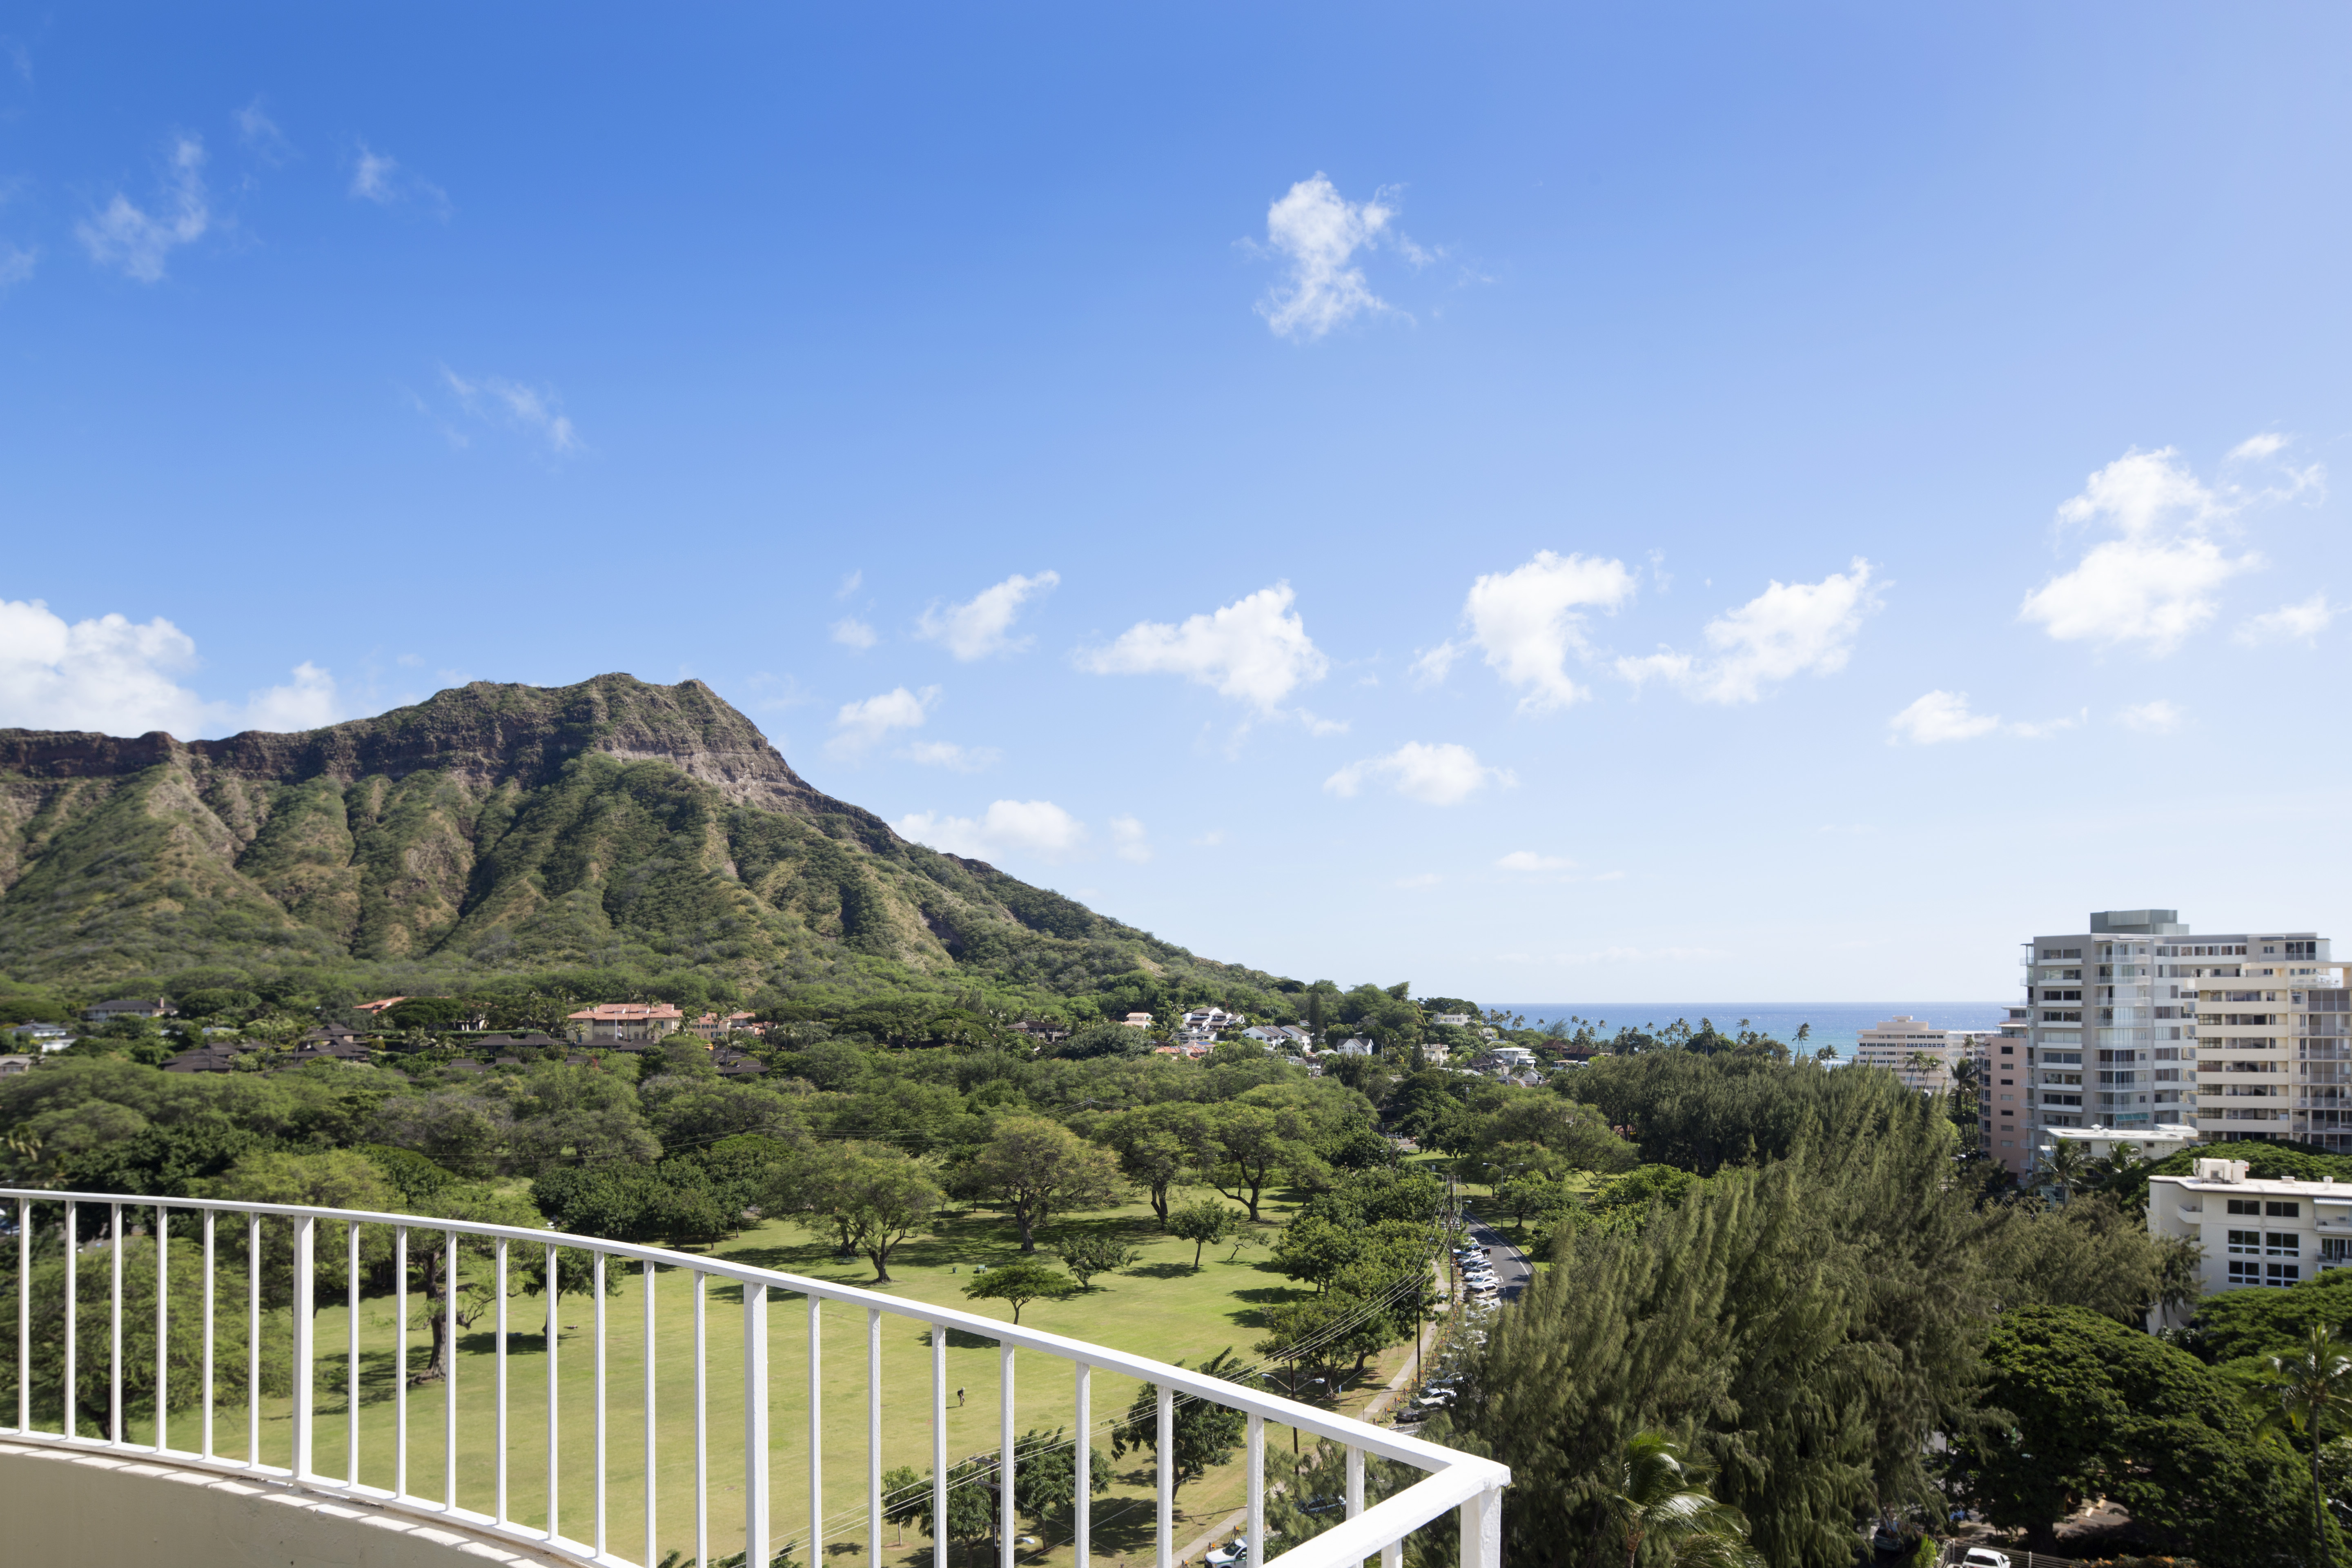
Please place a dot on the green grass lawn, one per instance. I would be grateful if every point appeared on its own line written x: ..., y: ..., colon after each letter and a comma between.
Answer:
x: 1161, y: 1307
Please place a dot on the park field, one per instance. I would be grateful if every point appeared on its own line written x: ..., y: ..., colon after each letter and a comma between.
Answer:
x: 1161, y: 1306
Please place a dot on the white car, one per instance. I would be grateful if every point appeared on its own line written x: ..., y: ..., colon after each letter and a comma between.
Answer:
x: 1232, y: 1555
x: 1984, y: 1557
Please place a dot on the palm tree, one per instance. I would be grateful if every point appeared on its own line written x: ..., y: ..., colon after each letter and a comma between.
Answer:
x: 1662, y: 1496
x: 2307, y: 1391
x: 2122, y: 1163
x: 2065, y: 1167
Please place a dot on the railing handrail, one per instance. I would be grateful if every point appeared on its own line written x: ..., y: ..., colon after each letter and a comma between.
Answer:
x: 1389, y: 1445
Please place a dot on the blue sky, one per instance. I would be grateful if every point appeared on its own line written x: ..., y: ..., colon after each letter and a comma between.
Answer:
x: 1671, y: 501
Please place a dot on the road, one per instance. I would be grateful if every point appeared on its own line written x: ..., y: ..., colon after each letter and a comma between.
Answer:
x: 1513, y: 1272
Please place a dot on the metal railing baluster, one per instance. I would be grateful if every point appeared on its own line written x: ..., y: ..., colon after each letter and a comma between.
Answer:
x: 72, y: 1420
x: 501, y: 1284
x: 252, y: 1340
x: 24, y: 1314
x: 816, y: 1425
x: 400, y: 1361
x: 1167, y: 1498
x: 448, y: 1373
x: 1481, y: 1531
x: 1082, y: 1457
x: 306, y: 1240
x: 554, y: 1293
x: 755, y: 1423
x: 162, y: 1325
x: 1256, y: 1489
x: 702, y: 1435
x: 939, y: 1445
x: 211, y: 1257
x: 597, y: 1284
x: 649, y: 1412
x: 1006, y: 1527
x: 873, y: 1436
x: 351, y: 1356
x: 114, y: 1331
x: 1355, y: 1480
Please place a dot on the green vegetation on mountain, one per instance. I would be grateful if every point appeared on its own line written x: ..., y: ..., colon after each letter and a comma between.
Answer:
x: 609, y: 838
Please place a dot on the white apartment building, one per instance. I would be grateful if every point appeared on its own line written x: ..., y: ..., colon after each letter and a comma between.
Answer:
x: 1899, y: 1044
x: 2254, y: 1232
x: 2137, y: 1023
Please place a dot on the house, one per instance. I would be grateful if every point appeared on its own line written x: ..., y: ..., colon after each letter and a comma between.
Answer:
x: 2150, y: 1143
x: 1137, y: 1020
x: 1356, y: 1046
x: 735, y: 1064
x: 203, y: 1058
x: 40, y: 1034
x: 382, y: 1004
x: 609, y: 1022
x: 714, y: 1026
x: 1208, y: 1020
x: 11, y: 1066
x: 1452, y: 1020
x: 1434, y: 1052
x: 533, y: 1038
x: 1269, y: 1034
x: 131, y: 1007
x: 324, y: 1035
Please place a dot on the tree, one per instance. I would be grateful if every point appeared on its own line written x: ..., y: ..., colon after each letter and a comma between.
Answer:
x: 1328, y: 1329
x: 1659, y: 1497
x: 1021, y: 1283
x: 1045, y: 1474
x: 2065, y: 1167
x: 337, y: 1178
x: 905, y: 1498
x: 2307, y: 1392
x: 1038, y: 1169
x: 1089, y: 1252
x: 1155, y: 1144
x: 1204, y: 1434
x: 875, y: 1196
x: 1246, y: 1149
x: 1201, y: 1224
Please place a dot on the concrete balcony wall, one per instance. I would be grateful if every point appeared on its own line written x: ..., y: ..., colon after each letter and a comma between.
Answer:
x: 62, y: 1506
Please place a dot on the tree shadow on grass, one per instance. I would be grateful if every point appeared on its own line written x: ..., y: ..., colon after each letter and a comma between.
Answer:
x: 1162, y: 1271
x: 958, y: 1340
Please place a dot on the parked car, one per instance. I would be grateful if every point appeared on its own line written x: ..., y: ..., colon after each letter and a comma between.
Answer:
x: 1232, y: 1554
x: 1984, y: 1557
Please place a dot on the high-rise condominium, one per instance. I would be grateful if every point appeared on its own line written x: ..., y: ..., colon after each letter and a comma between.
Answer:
x: 2137, y: 1023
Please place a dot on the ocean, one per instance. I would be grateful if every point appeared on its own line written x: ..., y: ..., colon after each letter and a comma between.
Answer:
x: 1837, y: 1024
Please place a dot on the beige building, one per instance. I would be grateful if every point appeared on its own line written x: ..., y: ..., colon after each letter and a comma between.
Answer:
x: 2266, y: 1233
x: 1918, y: 1054
x: 2273, y: 1056
x: 613, y: 1021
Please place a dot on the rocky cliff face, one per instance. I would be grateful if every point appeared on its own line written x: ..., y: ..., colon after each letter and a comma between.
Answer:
x: 491, y: 825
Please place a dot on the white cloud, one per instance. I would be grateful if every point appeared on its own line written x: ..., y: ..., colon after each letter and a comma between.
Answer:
x: 2289, y: 623
x: 1528, y: 620
x: 2157, y: 718
x: 1128, y: 840
x: 2154, y: 583
x: 261, y: 135
x: 1037, y: 827
x: 1528, y: 861
x: 2025, y: 731
x: 1256, y: 649
x: 1319, y: 232
x: 982, y: 624
x: 127, y: 237
x: 1443, y: 774
x: 116, y: 676
x: 377, y: 177
x: 530, y: 409
x: 1211, y: 839
x: 948, y: 754
x: 16, y: 264
x: 849, y: 585
x: 851, y: 632
x: 859, y: 725
x: 1941, y: 716
x: 1789, y: 630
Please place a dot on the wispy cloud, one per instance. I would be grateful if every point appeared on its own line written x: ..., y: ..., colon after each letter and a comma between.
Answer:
x: 2158, y: 718
x: 532, y: 410
x: 954, y: 758
x: 1441, y: 774
x: 1528, y: 861
x: 982, y: 624
x: 851, y: 632
x: 1128, y: 840
x: 17, y: 263
x: 1788, y: 630
x: 2300, y: 623
x: 1318, y: 234
x: 1255, y: 649
x: 859, y: 726
x: 138, y: 243
x: 1529, y: 621
x: 260, y: 136
x: 849, y: 585
x: 2156, y: 582
x: 111, y: 674
x: 1032, y: 827
x: 378, y: 177
x: 1940, y: 717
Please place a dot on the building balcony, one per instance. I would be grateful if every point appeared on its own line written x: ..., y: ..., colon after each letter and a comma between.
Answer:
x: 572, y: 1466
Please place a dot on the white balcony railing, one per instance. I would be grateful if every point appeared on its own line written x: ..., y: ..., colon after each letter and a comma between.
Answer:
x: 1453, y: 1479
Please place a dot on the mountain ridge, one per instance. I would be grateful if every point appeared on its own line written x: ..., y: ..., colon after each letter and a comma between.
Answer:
x: 500, y: 825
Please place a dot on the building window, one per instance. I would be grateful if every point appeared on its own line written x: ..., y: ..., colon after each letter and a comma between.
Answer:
x: 2246, y: 1205
x: 2282, y: 1274
x: 2277, y: 1210
x: 2335, y: 1249
x: 2245, y: 1273
x: 2246, y: 1242
x: 2282, y: 1243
